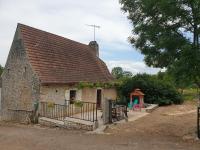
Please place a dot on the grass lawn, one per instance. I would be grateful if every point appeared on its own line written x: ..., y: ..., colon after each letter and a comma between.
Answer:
x: 190, y: 94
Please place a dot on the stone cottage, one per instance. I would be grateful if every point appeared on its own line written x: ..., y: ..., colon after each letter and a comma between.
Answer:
x: 42, y: 66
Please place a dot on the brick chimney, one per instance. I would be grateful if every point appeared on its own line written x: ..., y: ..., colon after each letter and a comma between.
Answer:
x: 94, y: 45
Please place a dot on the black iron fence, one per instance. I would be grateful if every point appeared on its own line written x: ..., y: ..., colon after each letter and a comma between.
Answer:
x: 117, y: 112
x: 198, y: 122
x: 53, y: 111
x: 73, y: 109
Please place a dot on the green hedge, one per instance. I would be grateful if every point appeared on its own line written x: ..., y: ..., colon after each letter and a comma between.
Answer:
x: 156, y: 91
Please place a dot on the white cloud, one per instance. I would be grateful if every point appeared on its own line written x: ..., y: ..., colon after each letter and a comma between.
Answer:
x: 66, y: 18
x: 133, y: 66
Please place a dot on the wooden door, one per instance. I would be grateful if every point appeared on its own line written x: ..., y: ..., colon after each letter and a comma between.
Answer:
x: 99, y: 97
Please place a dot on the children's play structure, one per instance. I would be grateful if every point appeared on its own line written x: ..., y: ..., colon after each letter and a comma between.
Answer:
x: 136, y: 100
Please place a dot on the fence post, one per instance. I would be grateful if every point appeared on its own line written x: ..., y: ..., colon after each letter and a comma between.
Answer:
x: 110, y: 111
x: 36, y: 112
x: 107, y: 107
x: 96, y: 113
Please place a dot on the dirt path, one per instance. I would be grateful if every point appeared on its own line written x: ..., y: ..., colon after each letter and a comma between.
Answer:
x: 158, y: 131
x: 174, y: 121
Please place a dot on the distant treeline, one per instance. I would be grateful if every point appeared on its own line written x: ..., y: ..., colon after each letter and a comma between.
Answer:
x: 1, y: 69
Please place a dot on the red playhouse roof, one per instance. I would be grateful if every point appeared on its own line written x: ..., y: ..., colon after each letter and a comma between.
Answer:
x: 137, y: 92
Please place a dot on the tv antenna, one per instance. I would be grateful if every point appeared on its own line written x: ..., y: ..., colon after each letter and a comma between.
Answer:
x: 94, y: 27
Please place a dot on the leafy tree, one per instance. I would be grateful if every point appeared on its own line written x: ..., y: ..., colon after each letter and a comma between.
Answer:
x: 118, y: 73
x: 155, y: 90
x: 1, y: 70
x: 179, y: 82
x: 127, y: 74
x: 167, y: 33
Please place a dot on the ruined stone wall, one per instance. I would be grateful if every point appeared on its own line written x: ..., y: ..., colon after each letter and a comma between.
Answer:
x: 20, y: 86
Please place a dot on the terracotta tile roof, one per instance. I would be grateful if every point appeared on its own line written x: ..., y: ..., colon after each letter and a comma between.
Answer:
x: 56, y: 59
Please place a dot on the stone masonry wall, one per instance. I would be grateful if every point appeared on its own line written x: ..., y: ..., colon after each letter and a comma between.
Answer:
x: 89, y: 95
x: 53, y: 93
x: 58, y: 94
x: 110, y: 94
x: 20, y: 86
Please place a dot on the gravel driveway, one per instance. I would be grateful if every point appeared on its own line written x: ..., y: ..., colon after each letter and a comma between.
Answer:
x: 167, y: 128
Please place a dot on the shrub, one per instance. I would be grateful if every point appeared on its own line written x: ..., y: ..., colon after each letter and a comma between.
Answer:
x: 156, y: 91
x: 78, y: 103
x: 50, y: 104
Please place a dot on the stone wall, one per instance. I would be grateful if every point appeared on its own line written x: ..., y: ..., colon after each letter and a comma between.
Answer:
x: 58, y: 94
x: 20, y: 85
x: 53, y: 93
x: 110, y: 94
x: 67, y: 124
x: 89, y: 95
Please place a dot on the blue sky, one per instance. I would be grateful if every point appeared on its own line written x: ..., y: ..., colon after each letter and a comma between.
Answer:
x: 69, y: 18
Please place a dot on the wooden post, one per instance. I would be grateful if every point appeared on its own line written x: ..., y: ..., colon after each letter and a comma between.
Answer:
x: 106, y: 111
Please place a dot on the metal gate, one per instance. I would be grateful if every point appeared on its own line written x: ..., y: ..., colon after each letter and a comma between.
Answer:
x: 117, y: 112
x: 83, y: 110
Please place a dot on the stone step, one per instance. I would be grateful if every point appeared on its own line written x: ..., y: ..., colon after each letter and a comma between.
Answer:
x: 84, y: 122
x: 151, y: 108
x: 69, y: 123
x: 51, y: 122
